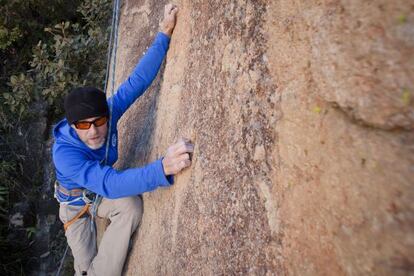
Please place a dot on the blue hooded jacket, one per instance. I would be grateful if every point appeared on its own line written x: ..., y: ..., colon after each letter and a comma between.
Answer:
x: 78, y: 166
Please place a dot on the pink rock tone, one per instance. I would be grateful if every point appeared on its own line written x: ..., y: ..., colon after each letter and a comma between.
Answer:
x: 302, y: 113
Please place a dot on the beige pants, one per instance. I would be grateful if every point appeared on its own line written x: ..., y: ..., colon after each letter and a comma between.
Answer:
x: 124, y: 214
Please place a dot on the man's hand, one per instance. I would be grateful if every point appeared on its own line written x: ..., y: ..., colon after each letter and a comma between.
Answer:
x: 178, y: 157
x: 168, y: 23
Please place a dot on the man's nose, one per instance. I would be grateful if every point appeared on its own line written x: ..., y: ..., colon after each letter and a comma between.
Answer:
x: 93, y: 129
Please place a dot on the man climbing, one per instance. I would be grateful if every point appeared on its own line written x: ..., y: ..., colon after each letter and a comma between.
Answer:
x: 79, y: 152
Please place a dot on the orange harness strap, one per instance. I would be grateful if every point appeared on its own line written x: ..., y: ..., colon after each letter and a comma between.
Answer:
x: 81, y: 213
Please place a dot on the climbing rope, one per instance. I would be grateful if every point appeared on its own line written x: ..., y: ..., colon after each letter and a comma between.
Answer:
x: 61, y: 262
x: 112, y: 49
x: 114, y: 40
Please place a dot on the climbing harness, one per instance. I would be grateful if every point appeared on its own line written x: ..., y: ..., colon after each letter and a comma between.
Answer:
x: 83, y: 211
x: 92, y: 201
x: 78, y: 194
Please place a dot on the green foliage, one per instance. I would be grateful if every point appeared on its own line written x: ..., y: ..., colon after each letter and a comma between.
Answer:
x: 22, y: 24
x: 8, y: 37
x: 18, y: 100
x: 95, y: 13
x: 75, y: 57
x: 30, y: 232
x: 46, y: 49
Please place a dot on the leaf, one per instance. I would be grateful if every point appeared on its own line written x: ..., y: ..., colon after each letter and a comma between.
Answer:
x: 13, y: 80
x: 30, y: 231
x: 61, y: 62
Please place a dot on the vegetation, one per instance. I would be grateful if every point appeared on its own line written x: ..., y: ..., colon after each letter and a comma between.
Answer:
x: 46, y: 49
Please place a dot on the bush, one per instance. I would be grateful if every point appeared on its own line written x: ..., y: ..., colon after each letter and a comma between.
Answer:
x: 47, y: 48
x: 75, y: 56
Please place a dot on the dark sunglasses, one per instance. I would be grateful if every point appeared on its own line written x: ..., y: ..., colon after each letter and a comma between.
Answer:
x: 87, y: 125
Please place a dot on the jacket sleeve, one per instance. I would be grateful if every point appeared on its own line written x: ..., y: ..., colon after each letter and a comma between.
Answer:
x: 141, y: 77
x: 106, y: 181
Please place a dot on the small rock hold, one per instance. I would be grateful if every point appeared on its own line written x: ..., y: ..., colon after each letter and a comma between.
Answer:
x: 259, y: 153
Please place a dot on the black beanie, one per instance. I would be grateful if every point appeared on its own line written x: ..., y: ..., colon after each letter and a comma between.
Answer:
x: 85, y: 102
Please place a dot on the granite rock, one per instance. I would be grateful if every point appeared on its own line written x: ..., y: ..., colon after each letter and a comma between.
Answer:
x: 302, y: 116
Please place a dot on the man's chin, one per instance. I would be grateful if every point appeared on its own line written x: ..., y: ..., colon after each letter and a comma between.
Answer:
x: 95, y: 146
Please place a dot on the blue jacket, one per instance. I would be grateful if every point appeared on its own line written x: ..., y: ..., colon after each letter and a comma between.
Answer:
x: 78, y: 166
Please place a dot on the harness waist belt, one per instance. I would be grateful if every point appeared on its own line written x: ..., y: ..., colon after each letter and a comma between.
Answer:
x: 66, y: 192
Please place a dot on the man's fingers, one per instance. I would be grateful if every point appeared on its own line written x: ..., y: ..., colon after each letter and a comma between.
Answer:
x: 180, y: 142
x: 178, y: 156
x: 183, y: 148
x: 170, y: 8
x: 183, y: 157
x: 174, y: 166
x: 179, y: 166
x: 185, y: 164
x: 174, y: 147
x: 174, y: 10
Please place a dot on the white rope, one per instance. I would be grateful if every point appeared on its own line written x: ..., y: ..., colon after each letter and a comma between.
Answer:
x: 114, y: 50
x: 112, y: 37
x: 108, y: 56
x: 61, y: 262
x: 115, y: 24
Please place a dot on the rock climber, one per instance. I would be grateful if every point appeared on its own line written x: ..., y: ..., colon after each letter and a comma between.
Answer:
x: 79, y: 151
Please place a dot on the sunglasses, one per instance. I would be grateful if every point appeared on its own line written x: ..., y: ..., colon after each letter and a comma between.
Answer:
x: 87, y: 125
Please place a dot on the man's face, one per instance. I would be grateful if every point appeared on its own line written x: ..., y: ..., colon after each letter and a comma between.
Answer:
x: 94, y: 137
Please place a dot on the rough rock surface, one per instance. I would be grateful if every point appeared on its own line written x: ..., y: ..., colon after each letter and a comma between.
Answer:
x: 302, y: 114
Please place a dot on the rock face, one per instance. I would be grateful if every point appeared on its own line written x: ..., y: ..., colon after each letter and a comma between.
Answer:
x: 302, y: 114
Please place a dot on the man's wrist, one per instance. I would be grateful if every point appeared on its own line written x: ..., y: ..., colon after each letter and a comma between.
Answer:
x: 168, y: 32
x: 163, y: 166
x: 164, y: 180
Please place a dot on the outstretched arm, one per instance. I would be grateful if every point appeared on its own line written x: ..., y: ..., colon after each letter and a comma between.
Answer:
x: 147, y: 68
x: 74, y: 166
